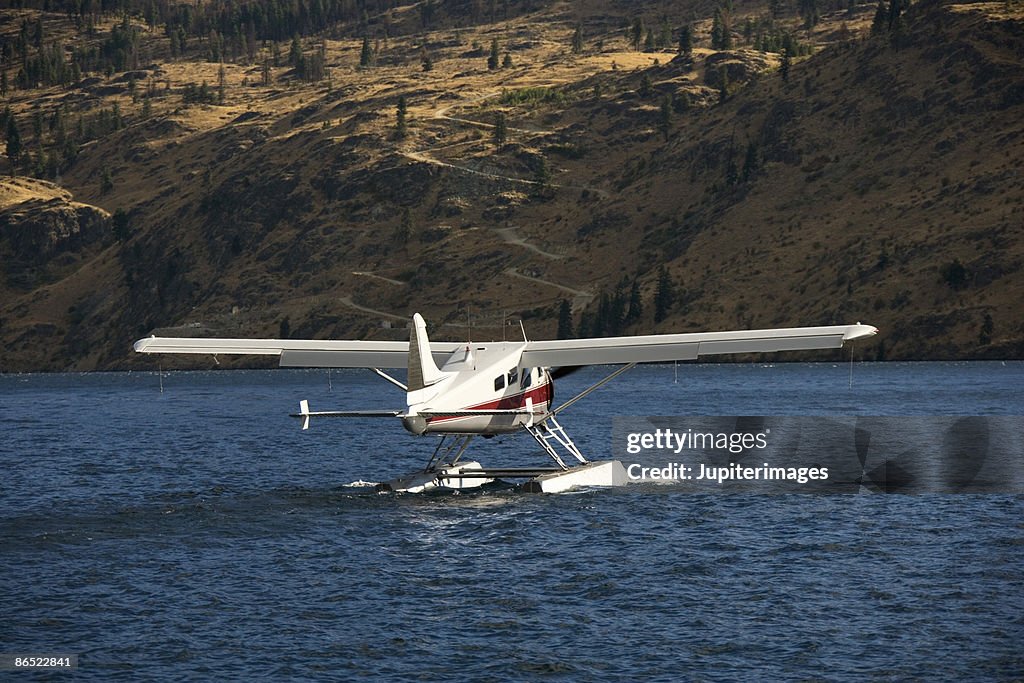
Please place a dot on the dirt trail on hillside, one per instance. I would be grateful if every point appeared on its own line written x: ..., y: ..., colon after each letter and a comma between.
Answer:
x: 442, y: 113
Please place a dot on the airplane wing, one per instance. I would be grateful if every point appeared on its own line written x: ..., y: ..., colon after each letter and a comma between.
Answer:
x: 667, y: 347
x: 301, y: 353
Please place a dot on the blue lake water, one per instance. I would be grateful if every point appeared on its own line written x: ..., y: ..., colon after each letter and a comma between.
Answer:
x: 198, y: 534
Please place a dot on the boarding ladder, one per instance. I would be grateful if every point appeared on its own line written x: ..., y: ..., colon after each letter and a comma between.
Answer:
x: 548, y: 433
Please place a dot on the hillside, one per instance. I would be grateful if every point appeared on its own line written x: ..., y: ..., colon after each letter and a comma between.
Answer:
x: 879, y: 181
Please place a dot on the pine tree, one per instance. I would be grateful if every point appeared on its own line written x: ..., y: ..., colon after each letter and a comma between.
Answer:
x: 492, y: 58
x: 577, y: 40
x: 721, y: 31
x: 787, y: 61
x: 405, y: 227
x: 122, y: 228
x: 686, y: 41
x: 716, y: 30
x: 636, y: 306
x: 500, y: 130
x: 878, y: 24
x: 750, y: 161
x: 637, y: 33
x: 895, y: 11
x: 987, y: 327
x: 664, y: 295
x: 366, y: 53
x: 644, y: 90
x: 665, y: 116
x: 664, y: 35
x: 14, y: 146
x: 542, y: 172
x: 565, y: 320
x: 106, y: 181
x: 810, y: 13
x: 732, y: 174
x: 295, y: 53
x: 400, y: 123
x: 222, y: 81
x: 506, y: 62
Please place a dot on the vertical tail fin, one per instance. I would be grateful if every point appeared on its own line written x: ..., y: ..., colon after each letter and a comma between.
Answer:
x: 422, y: 370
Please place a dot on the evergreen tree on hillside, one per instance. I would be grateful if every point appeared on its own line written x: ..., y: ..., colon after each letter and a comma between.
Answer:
x: 750, y: 161
x: 664, y: 35
x: 577, y: 40
x: 492, y: 57
x: 14, y: 145
x: 400, y: 113
x: 665, y: 116
x: 879, y: 23
x: 106, y: 181
x: 987, y: 327
x: 366, y: 53
x: 565, y: 320
x: 644, y: 90
x: 500, y: 130
x: 405, y: 227
x: 636, y: 306
x: 686, y: 41
x: 721, y: 30
x: 664, y: 295
x: 810, y: 13
x: 636, y: 33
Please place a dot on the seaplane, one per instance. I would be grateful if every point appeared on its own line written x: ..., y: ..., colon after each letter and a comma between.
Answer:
x: 459, y: 390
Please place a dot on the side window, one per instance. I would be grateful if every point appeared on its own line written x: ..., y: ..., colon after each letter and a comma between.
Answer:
x: 527, y: 379
x: 513, y: 376
x: 499, y: 382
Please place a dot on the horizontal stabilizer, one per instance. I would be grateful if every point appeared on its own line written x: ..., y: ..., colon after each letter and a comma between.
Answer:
x: 305, y: 413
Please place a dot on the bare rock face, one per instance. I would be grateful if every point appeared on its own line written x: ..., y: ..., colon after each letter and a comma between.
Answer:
x: 36, y: 230
x: 738, y: 66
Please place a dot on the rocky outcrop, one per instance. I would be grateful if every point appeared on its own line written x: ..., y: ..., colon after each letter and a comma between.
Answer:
x: 36, y: 230
x: 738, y: 66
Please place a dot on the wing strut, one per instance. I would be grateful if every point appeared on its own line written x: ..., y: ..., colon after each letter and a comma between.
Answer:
x: 587, y: 391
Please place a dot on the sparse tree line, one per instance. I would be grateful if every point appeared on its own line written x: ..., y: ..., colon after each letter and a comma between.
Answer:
x: 617, y: 310
x: 56, y: 139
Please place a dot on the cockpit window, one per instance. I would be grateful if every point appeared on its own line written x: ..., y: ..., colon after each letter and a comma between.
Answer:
x: 527, y: 379
x: 513, y: 376
x: 499, y: 382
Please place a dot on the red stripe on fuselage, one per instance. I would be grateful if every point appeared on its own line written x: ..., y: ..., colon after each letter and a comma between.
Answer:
x: 541, y: 394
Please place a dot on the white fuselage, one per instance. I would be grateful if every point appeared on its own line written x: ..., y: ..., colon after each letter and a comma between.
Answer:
x: 481, y: 377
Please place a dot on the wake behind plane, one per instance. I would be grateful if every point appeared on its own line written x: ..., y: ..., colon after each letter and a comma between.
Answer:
x: 459, y: 390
